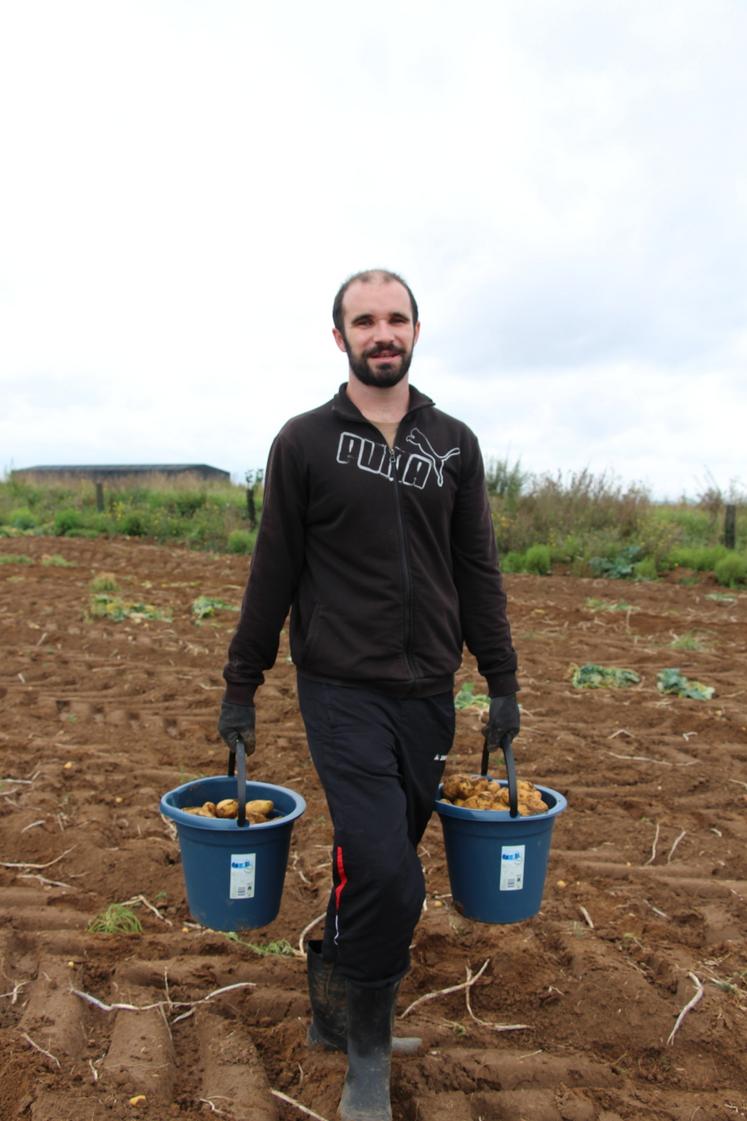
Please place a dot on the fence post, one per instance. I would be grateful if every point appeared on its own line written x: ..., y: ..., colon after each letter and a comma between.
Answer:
x: 100, y: 497
x: 730, y: 526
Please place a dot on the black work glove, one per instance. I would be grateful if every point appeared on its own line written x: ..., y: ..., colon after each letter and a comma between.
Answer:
x: 503, y: 720
x: 238, y: 722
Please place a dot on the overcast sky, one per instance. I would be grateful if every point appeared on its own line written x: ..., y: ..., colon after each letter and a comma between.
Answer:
x: 185, y: 183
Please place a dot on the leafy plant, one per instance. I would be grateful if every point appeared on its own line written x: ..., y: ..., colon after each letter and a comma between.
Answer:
x: 619, y: 567
x: 280, y: 947
x: 672, y: 681
x: 117, y: 610
x: 688, y: 641
x: 15, y: 558
x: 592, y: 676
x: 104, y: 582
x: 205, y: 606
x: 468, y: 698
x: 241, y: 541
x: 54, y: 560
x: 731, y: 570
x: 116, y: 919
x: 594, y: 604
x: 537, y: 560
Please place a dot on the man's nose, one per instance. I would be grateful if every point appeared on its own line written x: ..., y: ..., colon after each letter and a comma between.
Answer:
x: 384, y: 329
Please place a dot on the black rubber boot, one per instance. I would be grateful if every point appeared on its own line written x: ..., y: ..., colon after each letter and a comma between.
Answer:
x: 329, y: 1014
x: 366, y: 1094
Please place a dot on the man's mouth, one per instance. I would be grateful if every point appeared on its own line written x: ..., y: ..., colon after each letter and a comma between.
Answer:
x: 392, y: 352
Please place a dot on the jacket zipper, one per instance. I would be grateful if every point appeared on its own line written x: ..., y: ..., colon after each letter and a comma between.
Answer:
x: 407, y: 581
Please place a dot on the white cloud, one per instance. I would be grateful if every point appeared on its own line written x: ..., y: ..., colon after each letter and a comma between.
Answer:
x: 187, y: 183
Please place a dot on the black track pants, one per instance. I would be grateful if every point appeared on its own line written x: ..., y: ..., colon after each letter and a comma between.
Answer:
x: 380, y: 760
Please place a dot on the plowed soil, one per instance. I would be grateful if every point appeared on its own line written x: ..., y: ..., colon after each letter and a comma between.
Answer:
x: 644, y: 905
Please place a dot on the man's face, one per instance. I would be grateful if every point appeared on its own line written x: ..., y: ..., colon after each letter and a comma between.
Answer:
x: 379, y: 334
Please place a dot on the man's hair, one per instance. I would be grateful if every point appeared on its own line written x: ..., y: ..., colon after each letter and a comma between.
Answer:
x: 367, y: 277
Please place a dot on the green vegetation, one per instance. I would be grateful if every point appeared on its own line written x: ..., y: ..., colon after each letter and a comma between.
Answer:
x: 580, y: 524
x: 116, y: 919
x: 594, y: 526
x: 15, y: 558
x: 110, y: 607
x: 468, y: 698
x: 688, y: 641
x: 592, y: 676
x: 594, y: 604
x: 54, y: 560
x: 188, y: 510
x: 279, y: 947
x: 205, y: 606
x: 672, y: 681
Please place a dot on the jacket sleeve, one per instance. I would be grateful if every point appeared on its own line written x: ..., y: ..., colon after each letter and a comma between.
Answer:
x: 275, y: 569
x: 482, y: 600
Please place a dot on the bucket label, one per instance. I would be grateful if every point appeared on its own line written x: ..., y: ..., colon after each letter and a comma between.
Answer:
x: 512, y: 867
x: 243, y: 865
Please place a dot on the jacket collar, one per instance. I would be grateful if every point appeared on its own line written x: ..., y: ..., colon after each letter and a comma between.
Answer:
x: 342, y: 404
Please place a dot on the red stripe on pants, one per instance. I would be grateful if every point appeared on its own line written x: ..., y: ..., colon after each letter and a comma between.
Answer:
x: 342, y: 878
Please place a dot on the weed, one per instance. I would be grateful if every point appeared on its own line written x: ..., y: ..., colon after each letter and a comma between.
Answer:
x: 690, y: 640
x: 721, y: 597
x: 592, y: 676
x: 281, y: 947
x: 241, y: 541
x: 731, y: 570
x: 104, y: 582
x: 673, y: 682
x: 117, y: 610
x: 467, y: 698
x: 607, y: 605
x: 54, y: 560
x: 15, y: 558
x: 116, y: 919
x: 204, y: 606
x: 537, y: 560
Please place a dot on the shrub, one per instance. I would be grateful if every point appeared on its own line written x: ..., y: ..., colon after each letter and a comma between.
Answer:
x: 513, y: 562
x: 537, y: 559
x: 22, y: 518
x: 701, y: 558
x: 133, y: 525
x: 66, y: 522
x: 645, y: 569
x: 731, y: 570
x: 241, y: 541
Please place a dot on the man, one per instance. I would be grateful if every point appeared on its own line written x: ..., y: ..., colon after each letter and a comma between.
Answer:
x: 376, y: 534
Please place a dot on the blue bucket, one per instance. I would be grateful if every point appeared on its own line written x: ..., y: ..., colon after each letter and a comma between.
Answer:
x: 497, y: 863
x: 233, y: 874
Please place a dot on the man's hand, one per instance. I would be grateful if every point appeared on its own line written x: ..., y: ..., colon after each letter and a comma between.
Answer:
x: 503, y: 720
x: 238, y: 722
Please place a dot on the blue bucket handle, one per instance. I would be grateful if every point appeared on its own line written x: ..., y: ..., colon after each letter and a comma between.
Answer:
x: 240, y: 751
x: 508, y: 755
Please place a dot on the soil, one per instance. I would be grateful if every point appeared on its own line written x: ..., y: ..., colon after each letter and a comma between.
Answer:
x: 643, y: 908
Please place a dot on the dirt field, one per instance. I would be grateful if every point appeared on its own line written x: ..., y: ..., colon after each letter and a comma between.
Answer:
x: 644, y: 901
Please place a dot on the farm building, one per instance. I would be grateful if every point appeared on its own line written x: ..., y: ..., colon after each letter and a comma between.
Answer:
x: 111, y: 471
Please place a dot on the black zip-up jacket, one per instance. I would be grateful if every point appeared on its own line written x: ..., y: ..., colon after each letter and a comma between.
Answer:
x: 386, y: 559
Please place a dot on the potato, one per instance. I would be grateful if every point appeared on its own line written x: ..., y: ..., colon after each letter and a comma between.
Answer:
x: 258, y: 812
x: 206, y: 810
x: 260, y: 806
x: 228, y: 807
x: 487, y: 794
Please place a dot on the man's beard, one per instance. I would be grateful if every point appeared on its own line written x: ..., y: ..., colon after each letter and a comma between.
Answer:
x: 384, y: 377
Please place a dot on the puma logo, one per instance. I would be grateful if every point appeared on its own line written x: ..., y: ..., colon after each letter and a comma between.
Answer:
x: 424, y: 446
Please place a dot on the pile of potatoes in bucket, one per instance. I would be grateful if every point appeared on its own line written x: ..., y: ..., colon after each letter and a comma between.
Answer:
x: 258, y: 812
x: 487, y: 794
